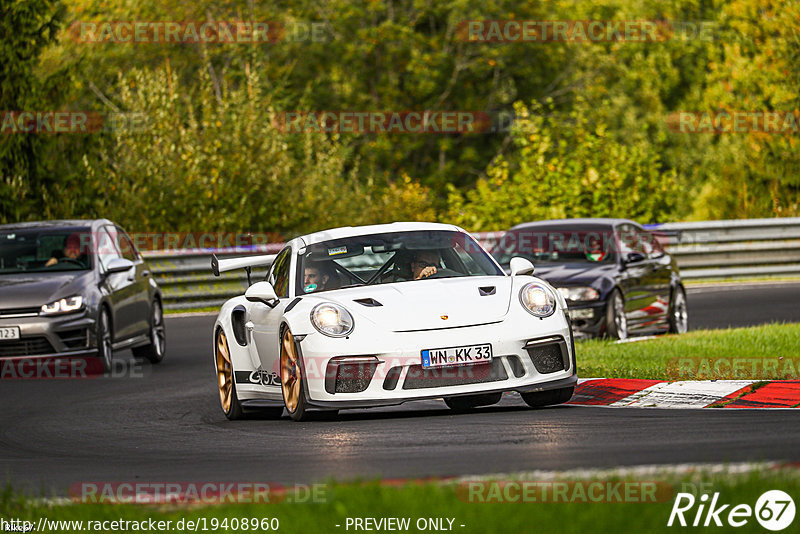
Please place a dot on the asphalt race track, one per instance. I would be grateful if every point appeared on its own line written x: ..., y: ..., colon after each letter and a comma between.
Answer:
x: 166, y: 425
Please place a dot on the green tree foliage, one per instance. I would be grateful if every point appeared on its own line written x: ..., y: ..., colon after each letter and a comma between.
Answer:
x: 592, y: 136
x: 209, y: 158
x: 566, y: 165
x: 755, y: 66
x: 26, y: 28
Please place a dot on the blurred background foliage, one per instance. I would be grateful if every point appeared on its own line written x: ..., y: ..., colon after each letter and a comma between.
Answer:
x: 590, y: 136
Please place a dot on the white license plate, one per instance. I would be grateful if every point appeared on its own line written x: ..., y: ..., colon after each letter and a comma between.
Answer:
x: 465, y: 355
x: 9, y: 332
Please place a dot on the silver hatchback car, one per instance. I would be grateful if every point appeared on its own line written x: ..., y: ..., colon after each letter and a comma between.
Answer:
x: 76, y: 288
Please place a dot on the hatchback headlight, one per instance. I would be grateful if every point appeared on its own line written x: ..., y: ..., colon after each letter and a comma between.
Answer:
x: 67, y: 305
x: 332, y: 320
x: 579, y: 294
x: 538, y: 300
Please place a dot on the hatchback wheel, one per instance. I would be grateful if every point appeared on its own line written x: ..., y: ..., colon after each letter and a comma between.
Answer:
x: 104, y: 348
x: 154, y: 352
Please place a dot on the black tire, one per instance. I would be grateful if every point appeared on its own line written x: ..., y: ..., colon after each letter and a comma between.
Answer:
x: 292, y: 387
x: 226, y: 378
x: 616, y: 321
x: 678, y: 312
x: 466, y: 403
x: 154, y: 352
x: 550, y: 397
x: 104, y: 339
x: 236, y: 411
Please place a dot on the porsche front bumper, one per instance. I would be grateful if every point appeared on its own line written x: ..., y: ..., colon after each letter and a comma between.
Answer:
x: 529, y: 354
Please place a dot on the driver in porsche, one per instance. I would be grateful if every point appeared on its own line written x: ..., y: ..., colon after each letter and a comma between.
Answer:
x: 425, y: 263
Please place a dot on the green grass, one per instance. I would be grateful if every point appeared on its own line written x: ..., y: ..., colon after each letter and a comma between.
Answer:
x: 445, y: 500
x: 769, y: 352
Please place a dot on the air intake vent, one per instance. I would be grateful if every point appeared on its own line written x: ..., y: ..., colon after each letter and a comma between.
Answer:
x: 549, y: 355
x: 486, y: 291
x: 368, y: 302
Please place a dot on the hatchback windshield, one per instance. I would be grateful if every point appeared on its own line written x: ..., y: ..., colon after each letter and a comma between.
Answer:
x: 44, y: 250
x: 391, y: 257
x: 557, y: 245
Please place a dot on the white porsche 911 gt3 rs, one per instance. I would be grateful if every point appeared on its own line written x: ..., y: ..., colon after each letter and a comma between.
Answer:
x: 379, y: 315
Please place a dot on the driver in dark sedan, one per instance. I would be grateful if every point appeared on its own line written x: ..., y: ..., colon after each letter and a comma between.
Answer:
x: 72, y: 251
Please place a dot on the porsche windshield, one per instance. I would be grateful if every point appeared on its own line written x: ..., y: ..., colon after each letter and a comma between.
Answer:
x: 23, y: 251
x: 391, y: 257
x: 591, y: 244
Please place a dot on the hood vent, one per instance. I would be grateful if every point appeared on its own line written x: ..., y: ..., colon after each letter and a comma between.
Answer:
x: 368, y: 302
x: 488, y: 290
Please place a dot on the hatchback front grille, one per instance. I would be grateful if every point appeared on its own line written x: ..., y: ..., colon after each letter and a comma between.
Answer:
x: 26, y: 346
x: 9, y: 313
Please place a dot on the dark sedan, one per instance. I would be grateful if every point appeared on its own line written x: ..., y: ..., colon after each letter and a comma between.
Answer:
x: 617, y: 278
x: 76, y: 288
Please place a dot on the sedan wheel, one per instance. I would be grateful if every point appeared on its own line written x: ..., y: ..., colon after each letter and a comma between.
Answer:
x: 292, y: 378
x: 227, y: 389
x: 616, y: 320
x: 679, y: 318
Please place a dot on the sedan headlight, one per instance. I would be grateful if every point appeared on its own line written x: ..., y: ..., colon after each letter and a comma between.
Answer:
x: 579, y: 294
x: 538, y: 300
x: 67, y: 305
x: 332, y: 320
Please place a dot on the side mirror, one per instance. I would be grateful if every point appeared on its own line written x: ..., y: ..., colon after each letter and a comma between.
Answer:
x: 118, y: 265
x: 520, y: 266
x: 262, y: 292
x: 633, y: 257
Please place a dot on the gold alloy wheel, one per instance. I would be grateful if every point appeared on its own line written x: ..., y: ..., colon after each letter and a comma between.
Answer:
x: 224, y: 372
x: 290, y: 373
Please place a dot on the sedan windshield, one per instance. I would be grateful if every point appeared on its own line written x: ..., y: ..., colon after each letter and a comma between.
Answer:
x: 48, y: 250
x: 594, y: 244
x: 391, y: 257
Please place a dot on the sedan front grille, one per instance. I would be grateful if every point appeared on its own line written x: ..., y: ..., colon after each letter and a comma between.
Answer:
x: 26, y: 346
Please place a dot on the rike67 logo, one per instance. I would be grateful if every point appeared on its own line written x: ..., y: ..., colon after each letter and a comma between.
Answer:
x: 774, y: 510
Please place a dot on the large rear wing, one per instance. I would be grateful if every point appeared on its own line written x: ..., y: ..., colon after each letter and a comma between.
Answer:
x: 246, y: 263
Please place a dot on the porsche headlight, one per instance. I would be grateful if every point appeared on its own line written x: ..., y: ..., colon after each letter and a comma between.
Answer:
x: 579, y: 294
x: 332, y: 320
x: 67, y: 305
x: 538, y: 300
